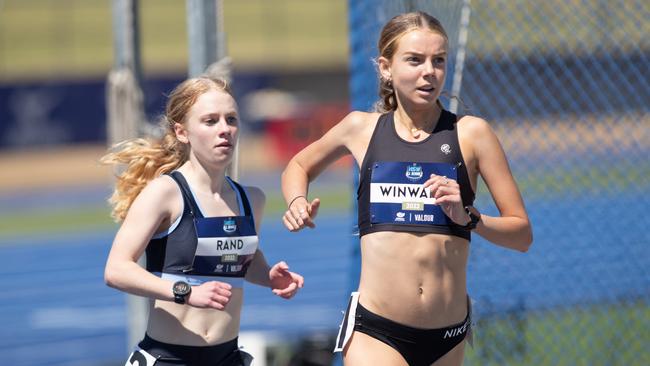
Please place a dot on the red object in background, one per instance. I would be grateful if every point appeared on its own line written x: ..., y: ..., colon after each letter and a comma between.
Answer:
x: 290, y: 135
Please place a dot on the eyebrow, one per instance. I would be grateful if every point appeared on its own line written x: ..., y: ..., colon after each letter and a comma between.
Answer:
x: 210, y: 115
x: 421, y: 54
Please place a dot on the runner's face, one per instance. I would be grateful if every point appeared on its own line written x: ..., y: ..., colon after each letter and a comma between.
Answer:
x: 417, y: 69
x: 212, y: 127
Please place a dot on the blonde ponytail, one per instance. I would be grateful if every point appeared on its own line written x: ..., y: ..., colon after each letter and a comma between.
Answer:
x: 145, y: 159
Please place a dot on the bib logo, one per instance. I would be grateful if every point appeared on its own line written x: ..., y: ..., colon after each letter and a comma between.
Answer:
x: 445, y: 148
x: 229, y: 225
x: 400, y: 216
x: 414, y: 172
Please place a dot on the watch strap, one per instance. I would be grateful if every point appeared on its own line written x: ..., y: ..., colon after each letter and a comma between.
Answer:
x: 473, y: 218
x: 179, y: 299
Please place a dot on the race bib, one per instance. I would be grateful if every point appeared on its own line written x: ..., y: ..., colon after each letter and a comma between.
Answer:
x: 225, y: 247
x: 397, y: 194
x: 139, y: 357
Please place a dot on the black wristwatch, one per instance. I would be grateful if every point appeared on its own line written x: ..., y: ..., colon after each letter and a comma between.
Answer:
x: 474, y: 218
x: 181, y: 289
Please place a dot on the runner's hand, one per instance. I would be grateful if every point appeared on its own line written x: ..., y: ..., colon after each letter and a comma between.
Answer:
x: 283, y: 282
x: 446, y: 191
x: 301, y: 213
x: 212, y: 294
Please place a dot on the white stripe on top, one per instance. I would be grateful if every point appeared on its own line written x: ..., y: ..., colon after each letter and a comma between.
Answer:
x: 196, y: 280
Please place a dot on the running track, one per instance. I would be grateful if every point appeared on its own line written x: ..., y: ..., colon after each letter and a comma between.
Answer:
x: 56, y: 310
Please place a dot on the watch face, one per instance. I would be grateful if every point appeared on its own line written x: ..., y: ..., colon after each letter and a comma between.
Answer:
x: 181, y: 288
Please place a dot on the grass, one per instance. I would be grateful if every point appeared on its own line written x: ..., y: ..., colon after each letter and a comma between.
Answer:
x: 71, y: 38
x: 603, y: 334
x: 550, y: 184
x: 55, y: 221
x: 97, y: 217
x: 554, y: 183
x: 543, y: 181
x: 45, y: 38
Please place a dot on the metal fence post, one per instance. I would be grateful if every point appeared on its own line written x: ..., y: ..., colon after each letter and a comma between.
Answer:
x: 125, y: 116
x: 205, y: 32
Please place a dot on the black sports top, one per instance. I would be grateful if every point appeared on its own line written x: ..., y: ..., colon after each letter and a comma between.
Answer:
x: 197, y: 249
x: 390, y: 196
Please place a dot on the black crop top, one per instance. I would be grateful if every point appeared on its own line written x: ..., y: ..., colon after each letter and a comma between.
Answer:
x: 390, y: 196
x: 199, y: 249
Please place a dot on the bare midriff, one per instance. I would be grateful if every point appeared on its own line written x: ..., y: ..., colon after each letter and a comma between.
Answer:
x: 418, y: 280
x: 186, y: 325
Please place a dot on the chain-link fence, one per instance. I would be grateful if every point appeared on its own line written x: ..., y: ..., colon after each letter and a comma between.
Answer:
x: 565, y: 85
